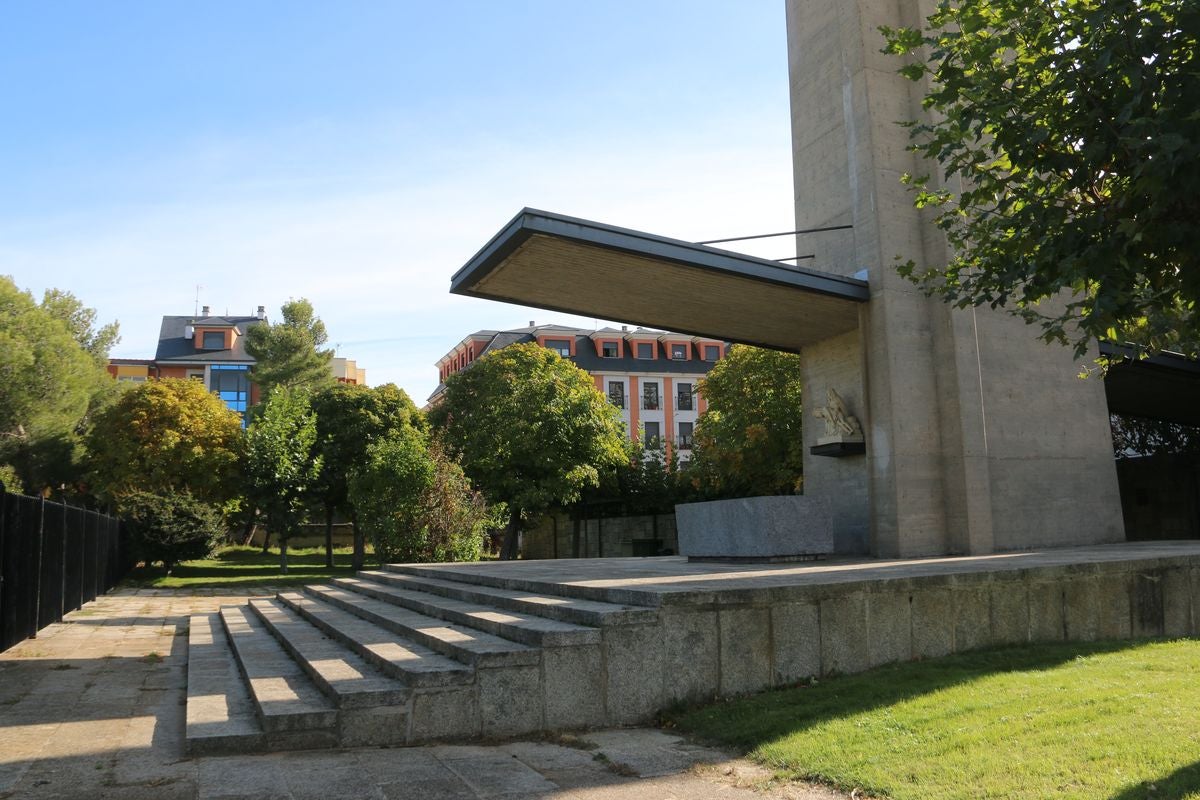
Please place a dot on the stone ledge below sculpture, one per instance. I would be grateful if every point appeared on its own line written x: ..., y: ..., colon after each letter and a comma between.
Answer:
x: 776, y: 528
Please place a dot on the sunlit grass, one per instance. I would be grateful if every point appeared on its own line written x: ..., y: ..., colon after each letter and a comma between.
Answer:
x: 1106, y: 720
x: 240, y: 566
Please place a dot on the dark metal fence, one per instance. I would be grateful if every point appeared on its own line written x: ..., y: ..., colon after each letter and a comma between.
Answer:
x: 53, y: 559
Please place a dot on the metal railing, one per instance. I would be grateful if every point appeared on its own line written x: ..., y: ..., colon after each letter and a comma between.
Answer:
x: 53, y: 559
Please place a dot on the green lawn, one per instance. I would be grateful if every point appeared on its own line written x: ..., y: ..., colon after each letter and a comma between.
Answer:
x: 240, y: 566
x: 1110, y: 720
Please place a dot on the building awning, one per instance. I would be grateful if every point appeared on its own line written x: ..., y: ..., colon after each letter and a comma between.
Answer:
x: 579, y: 267
x: 1162, y: 387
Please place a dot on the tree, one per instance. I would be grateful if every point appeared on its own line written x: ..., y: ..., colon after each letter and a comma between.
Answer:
x: 748, y: 442
x: 531, y: 430
x: 279, y: 465
x: 81, y: 322
x: 349, y: 419
x: 416, y: 503
x: 288, y: 353
x: 1069, y: 150
x: 170, y: 526
x: 49, y: 385
x: 170, y: 435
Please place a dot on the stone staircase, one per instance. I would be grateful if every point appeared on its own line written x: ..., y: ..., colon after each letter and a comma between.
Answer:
x: 413, y: 654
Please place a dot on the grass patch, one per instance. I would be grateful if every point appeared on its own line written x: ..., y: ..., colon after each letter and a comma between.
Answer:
x: 1102, y: 720
x: 244, y: 566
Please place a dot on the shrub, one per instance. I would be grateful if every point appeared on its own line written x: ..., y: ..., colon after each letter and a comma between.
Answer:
x: 415, y: 503
x: 170, y: 527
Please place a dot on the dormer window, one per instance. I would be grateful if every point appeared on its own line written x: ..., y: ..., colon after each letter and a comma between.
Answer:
x: 609, y: 350
x: 213, y: 340
x: 679, y: 352
x: 560, y: 346
x: 645, y: 350
x: 711, y: 352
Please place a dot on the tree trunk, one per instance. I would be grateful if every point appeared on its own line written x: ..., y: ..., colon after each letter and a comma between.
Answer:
x: 267, y: 538
x: 508, y: 550
x: 248, y: 531
x: 329, y: 536
x: 359, y: 545
x: 283, y: 540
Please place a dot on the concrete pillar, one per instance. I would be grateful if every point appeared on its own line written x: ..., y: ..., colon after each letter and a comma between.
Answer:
x: 980, y: 438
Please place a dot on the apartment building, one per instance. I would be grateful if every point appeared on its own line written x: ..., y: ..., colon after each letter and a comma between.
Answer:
x: 651, y: 376
x: 211, y: 348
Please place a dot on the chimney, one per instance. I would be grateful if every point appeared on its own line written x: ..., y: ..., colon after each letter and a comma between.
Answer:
x: 625, y: 328
x: 532, y: 324
x: 204, y: 311
x: 262, y: 312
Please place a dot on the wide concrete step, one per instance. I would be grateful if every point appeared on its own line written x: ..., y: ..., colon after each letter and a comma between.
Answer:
x: 468, y: 645
x: 521, y: 582
x: 551, y: 606
x: 220, y: 715
x: 342, y: 675
x: 515, y: 625
x: 285, y: 700
x: 404, y: 660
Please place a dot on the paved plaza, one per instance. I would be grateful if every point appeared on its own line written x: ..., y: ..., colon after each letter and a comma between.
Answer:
x: 94, y: 708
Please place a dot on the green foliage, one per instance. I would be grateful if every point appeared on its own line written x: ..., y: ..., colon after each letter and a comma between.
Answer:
x: 10, y: 481
x: 530, y: 428
x: 170, y: 526
x: 1069, y: 145
x: 648, y: 481
x: 748, y: 442
x: 81, y: 322
x: 280, y: 469
x: 1135, y: 436
x: 1111, y: 720
x: 166, y: 435
x: 415, y: 502
x: 288, y: 353
x: 349, y: 419
x: 49, y: 387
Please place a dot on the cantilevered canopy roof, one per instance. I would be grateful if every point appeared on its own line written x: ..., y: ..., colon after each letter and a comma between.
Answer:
x: 579, y: 267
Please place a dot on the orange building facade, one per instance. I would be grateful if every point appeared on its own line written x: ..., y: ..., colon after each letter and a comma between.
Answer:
x: 650, y: 376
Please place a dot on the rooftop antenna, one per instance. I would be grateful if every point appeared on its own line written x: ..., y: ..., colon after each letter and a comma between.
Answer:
x: 196, y: 307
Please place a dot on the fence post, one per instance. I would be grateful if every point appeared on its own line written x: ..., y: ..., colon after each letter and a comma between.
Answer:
x: 62, y: 576
x: 37, y: 573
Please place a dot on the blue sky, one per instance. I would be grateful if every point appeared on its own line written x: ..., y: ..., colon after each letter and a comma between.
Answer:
x: 358, y: 153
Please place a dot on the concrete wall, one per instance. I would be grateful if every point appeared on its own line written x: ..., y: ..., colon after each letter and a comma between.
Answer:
x: 979, y: 437
x: 837, y: 363
x: 731, y: 643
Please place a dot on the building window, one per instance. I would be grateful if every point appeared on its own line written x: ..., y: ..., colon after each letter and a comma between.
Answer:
x: 683, y: 400
x: 560, y: 346
x: 609, y: 350
x: 645, y: 350
x: 653, y: 433
x: 196, y: 375
x: 679, y: 352
x: 711, y: 352
x: 131, y: 379
x: 650, y: 400
x: 616, y: 393
x: 213, y: 340
x: 231, y: 383
x: 684, y: 440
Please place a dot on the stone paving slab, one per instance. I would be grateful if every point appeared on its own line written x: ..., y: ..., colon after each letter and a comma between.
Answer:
x: 342, y: 675
x: 405, y: 660
x: 552, y: 606
x: 673, y: 580
x: 58, y: 741
x: 220, y: 715
x: 514, y: 625
x: 468, y: 645
x: 286, y: 699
